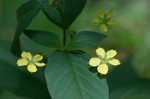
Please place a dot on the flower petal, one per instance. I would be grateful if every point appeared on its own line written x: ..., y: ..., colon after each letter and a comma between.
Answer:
x: 103, y: 28
x: 109, y: 14
x: 102, y: 69
x: 100, y: 52
x: 111, y: 53
x: 114, y: 62
x: 94, y: 62
x: 27, y: 55
x: 40, y: 64
x: 22, y: 62
x: 32, y: 68
x: 37, y: 58
x: 96, y: 21
x: 111, y: 22
x: 101, y: 13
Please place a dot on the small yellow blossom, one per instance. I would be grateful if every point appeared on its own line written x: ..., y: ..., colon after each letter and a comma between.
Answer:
x: 104, y: 20
x: 103, y: 59
x: 32, y: 62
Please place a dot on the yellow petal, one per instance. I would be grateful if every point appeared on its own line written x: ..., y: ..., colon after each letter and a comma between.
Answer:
x: 103, y: 69
x: 22, y: 62
x: 111, y: 22
x: 111, y: 53
x: 94, y: 62
x: 37, y: 57
x: 114, y: 62
x: 40, y: 64
x: 27, y: 55
x: 109, y: 14
x: 96, y: 21
x: 32, y: 68
x: 101, y: 13
x: 100, y: 52
x: 103, y: 28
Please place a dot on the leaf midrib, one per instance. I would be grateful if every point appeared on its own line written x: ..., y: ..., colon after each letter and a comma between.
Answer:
x: 75, y: 75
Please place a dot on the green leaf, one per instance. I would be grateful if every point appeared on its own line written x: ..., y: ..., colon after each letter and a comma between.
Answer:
x: 64, y: 12
x: 71, y: 9
x: 53, y: 15
x: 86, y: 39
x: 25, y: 15
x: 68, y: 77
x: 44, y: 38
x: 29, y: 45
x: 14, y: 80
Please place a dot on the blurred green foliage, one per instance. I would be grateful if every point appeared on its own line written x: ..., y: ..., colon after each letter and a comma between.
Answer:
x: 130, y: 36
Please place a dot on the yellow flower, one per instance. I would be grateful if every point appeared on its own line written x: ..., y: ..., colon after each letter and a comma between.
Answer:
x: 103, y: 59
x: 104, y: 20
x: 32, y: 62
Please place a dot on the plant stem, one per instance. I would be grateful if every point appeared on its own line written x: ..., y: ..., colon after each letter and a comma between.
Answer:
x: 64, y: 37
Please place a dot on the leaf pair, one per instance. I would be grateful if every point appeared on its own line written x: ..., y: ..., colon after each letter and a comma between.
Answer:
x: 62, y: 14
x: 79, y: 41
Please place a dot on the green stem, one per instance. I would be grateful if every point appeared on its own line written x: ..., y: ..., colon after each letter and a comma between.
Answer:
x: 64, y: 37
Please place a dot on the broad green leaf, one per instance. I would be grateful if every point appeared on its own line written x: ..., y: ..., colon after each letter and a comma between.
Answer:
x: 29, y: 45
x: 86, y: 39
x: 44, y: 38
x: 5, y: 44
x: 64, y: 12
x: 68, y: 77
x: 71, y: 9
x: 53, y: 15
x: 14, y: 80
x: 25, y: 15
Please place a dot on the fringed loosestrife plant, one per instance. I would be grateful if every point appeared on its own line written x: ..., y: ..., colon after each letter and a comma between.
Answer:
x: 32, y: 62
x: 66, y: 61
x: 104, y: 20
x: 103, y: 59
